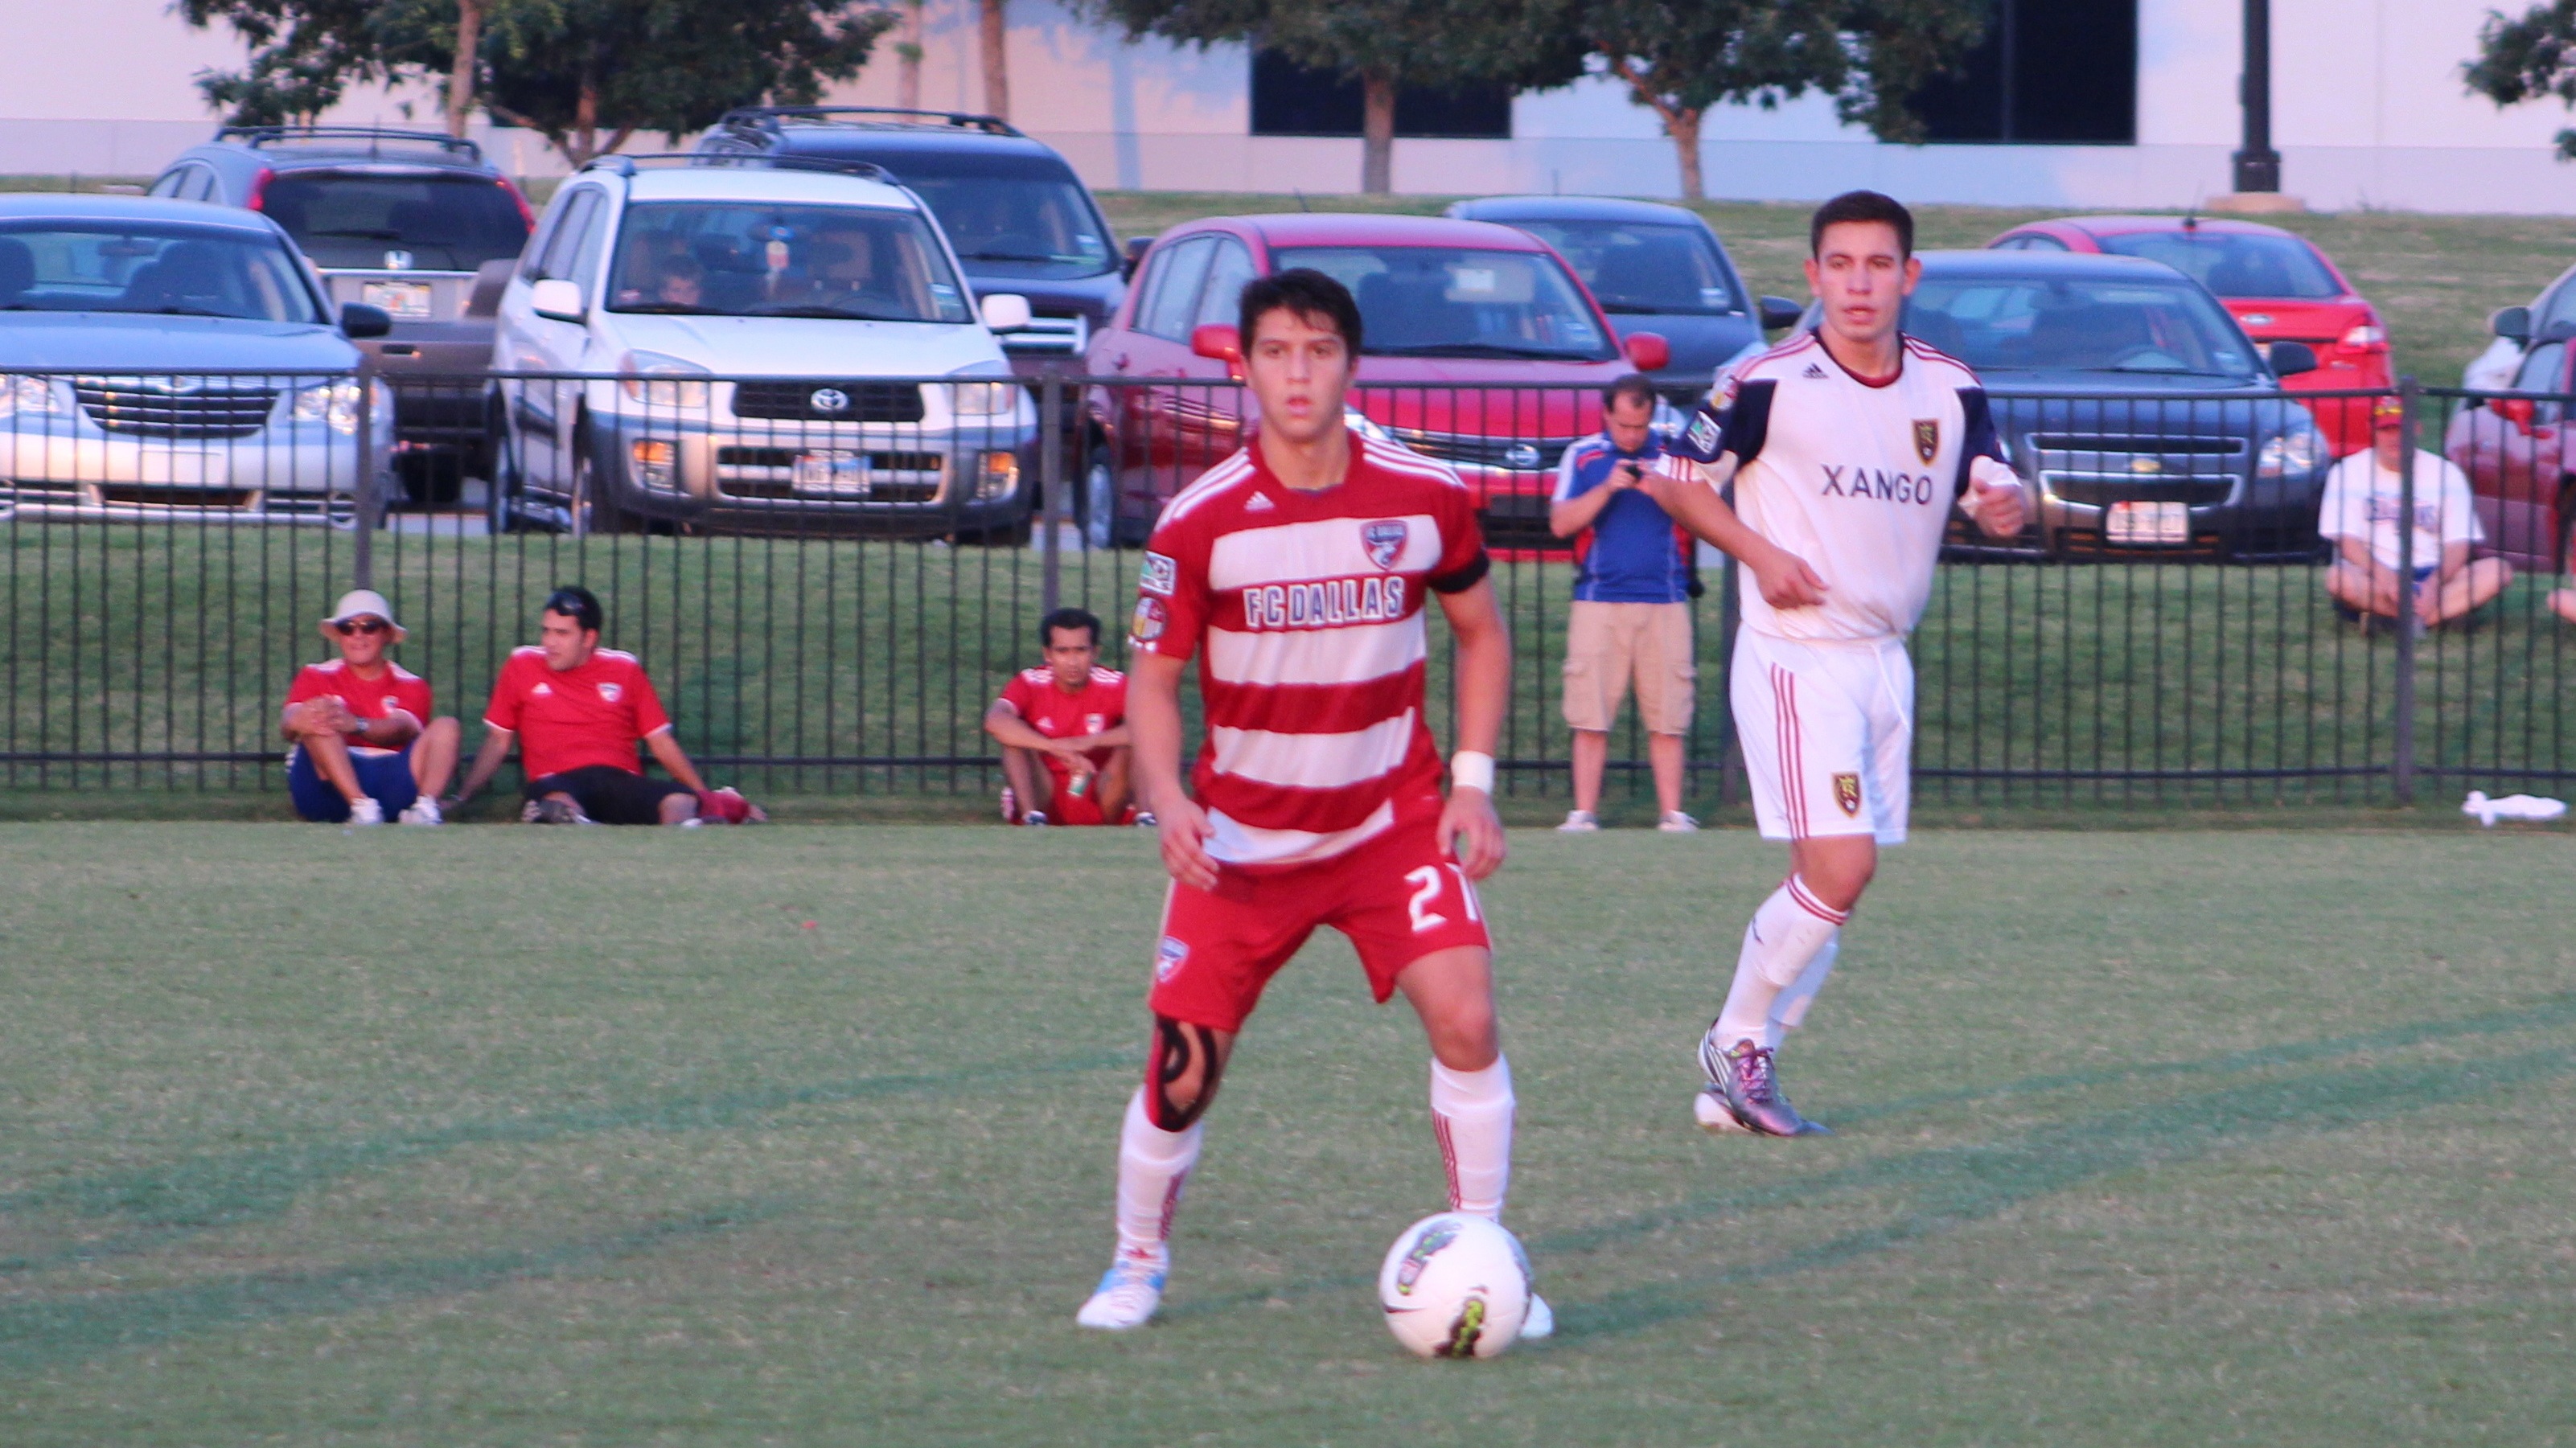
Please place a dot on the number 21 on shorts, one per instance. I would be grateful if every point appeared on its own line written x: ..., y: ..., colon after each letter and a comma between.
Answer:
x: 1426, y: 891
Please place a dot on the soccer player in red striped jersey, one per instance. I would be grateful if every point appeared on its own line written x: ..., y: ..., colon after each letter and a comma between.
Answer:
x: 1297, y: 572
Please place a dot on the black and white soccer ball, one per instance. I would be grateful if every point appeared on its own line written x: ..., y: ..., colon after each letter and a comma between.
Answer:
x: 1455, y: 1286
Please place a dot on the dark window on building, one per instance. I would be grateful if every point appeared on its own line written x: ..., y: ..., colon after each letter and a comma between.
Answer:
x: 1290, y: 100
x: 2049, y: 72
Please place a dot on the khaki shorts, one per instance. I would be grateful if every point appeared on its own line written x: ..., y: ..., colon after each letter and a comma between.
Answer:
x: 1606, y: 644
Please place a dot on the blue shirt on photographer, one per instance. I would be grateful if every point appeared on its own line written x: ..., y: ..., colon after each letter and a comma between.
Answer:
x: 1636, y: 554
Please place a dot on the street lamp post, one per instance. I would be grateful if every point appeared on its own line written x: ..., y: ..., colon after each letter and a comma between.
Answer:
x: 2258, y: 166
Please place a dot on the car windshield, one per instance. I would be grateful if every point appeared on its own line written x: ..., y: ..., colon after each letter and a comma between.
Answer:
x: 1439, y: 301
x: 99, y: 266
x: 1641, y: 266
x: 734, y: 259
x: 435, y: 223
x: 2235, y: 265
x: 2067, y: 324
x: 1013, y: 226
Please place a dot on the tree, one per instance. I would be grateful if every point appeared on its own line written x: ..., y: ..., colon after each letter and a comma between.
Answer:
x: 1680, y: 57
x: 572, y: 70
x: 992, y: 31
x: 2525, y: 59
x: 1383, y: 44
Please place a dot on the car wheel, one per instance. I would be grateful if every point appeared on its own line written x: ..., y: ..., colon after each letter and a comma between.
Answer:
x: 592, y: 509
x: 1099, y: 504
x: 504, y: 505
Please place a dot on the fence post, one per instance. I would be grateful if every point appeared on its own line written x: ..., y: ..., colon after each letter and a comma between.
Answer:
x: 362, y: 548
x: 2401, y: 775
x: 1051, y: 487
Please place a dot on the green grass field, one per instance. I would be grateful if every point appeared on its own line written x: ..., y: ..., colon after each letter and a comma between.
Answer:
x: 507, y: 1137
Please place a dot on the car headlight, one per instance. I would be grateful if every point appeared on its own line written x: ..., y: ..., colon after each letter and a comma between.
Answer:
x: 653, y: 378
x: 333, y: 402
x: 2299, y: 450
x: 24, y: 394
x: 983, y: 399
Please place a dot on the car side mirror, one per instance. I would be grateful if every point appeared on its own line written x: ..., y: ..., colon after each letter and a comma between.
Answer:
x: 2289, y: 359
x: 1218, y: 342
x: 2511, y: 323
x: 1137, y: 246
x: 1006, y: 311
x: 557, y: 300
x: 1648, y: 351
x: 1779, y: 312
x: 491, y: 279
x: 359, y: 321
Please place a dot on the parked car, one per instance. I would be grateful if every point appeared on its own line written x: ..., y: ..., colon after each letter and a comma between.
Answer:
x: 2551, y: 315
x: 2137, y: 409
x: 168, y: 358
x: 790, y: 348
x: 2276, y: 283
x: 399, y: 220
x: 1651, y: 266
x: 2520, y: 455
x: 1480, y: 349
x: 1021, y: 220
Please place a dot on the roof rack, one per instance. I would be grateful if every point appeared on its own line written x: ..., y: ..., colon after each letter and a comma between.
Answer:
x: 767, y: 118
x: 373, y: 135
x: 623, y: 164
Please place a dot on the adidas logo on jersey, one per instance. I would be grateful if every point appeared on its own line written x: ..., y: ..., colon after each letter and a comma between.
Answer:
x: 1259, y: 503
x: 1815, y: 373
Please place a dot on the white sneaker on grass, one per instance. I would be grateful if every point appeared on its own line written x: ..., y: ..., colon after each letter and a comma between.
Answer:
x: 366, y: 812
x: 1540, y: 1323
x: 1677, y: 823
x: 422, y: 811
x: 1126, y: 1298
x: 1580, y: 822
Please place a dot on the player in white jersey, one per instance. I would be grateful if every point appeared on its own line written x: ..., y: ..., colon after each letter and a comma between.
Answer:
x: 1847, y: 447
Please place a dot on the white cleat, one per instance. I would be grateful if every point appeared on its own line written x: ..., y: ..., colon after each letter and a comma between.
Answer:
x: 1125, y: 1299
x: 363, y: 812
x: 1540, y: 1322
x: 1677, y: 823
x: 422, y: 811
x: 1714, y: 1115
x: 1580, y: 822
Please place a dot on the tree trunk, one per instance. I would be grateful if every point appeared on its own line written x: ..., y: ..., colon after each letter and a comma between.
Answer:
x: 460, y: 79
x: 585, y: 118
x: 997, y: 70
x: 907, y: 52
x: 1683, y: 126
x: 1377, y: 134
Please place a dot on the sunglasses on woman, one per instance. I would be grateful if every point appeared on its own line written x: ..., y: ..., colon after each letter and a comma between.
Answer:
x: 369, y: 626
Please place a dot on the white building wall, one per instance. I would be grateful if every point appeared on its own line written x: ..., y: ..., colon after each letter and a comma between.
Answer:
x: 2368, y: 111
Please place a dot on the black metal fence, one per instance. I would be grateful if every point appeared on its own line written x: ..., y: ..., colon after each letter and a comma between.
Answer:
x: 831, y: 578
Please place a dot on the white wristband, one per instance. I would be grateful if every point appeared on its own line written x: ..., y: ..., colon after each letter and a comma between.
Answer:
x: 1471, y: 770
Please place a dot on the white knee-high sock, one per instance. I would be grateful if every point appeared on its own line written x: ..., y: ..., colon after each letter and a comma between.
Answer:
x: 1784, y: 937
x: 1789, y: 1010
x: 1471, y: 1114
x: 1153, y: 1165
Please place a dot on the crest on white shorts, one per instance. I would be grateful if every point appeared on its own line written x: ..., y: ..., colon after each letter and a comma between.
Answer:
x: 1847, y: 793
x: 1385, y: 540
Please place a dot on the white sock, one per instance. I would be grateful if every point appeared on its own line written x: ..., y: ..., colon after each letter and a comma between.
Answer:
x: 1153, y: 1165
x: 1791, y: 929
x: 1789, y: 1011
x: 1471, y: 1115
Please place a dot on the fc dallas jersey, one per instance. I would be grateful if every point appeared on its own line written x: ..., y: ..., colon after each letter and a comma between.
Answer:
x: 592, y: 713
x: 396, y: 691
x: 1098, y: 706
x: 1857, y: 479
x: 1308, y: 606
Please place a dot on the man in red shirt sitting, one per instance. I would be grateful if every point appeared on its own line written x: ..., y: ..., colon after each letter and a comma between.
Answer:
x: 365, y: 745
x: 1063, y: 731
x: 581, y: 709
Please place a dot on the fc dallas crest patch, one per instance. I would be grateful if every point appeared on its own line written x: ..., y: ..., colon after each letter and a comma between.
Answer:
x: 1927, y: 437
x: 1847, y: 793
x: 1384, y: 540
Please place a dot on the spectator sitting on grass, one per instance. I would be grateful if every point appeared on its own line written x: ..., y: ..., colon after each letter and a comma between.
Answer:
x: 2360, y: 514
x: 365, y: 745
x: 1063, y: 731
x: 581, y: 710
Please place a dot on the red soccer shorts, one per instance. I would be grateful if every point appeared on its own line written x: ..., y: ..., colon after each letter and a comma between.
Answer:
x: 1398, y: 898
x: 1084, y: 809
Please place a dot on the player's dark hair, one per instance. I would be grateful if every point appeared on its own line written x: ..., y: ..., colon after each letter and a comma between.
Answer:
x: 576, y: 603
x: 1861, y: 206
x: 1308, y: 293
x: 1636, y: 384
x: 1081, y: 618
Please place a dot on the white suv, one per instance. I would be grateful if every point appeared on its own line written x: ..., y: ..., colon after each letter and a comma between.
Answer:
x: 750, y: 344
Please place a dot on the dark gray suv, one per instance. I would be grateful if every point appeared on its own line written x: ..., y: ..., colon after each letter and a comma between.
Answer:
x: 402, y: 220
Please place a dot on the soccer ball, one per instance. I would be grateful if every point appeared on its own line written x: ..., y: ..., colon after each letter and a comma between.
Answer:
x: 1455, y: 1286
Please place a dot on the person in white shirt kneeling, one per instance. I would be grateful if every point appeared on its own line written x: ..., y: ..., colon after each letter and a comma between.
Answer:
x: 2361, y: 513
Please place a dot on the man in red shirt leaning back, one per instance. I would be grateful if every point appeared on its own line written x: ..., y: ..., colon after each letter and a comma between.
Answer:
x: 1063, y: 731
x: 577, y: 710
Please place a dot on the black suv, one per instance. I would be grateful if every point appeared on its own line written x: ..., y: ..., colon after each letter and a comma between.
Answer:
x: 409, y: 221
x: 1019, y: 218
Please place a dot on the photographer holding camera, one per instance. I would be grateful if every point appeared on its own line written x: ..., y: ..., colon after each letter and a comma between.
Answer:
x: 1631, y: 618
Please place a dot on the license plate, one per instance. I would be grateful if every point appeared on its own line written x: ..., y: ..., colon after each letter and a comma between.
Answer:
x: 2148, y: 523
x: 402, y: 299
x: 842, y: 474
x: 184, y: 469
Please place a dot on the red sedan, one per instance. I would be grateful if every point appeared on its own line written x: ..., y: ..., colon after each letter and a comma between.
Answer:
x: 2278, y: 285
x: 1481, y: 349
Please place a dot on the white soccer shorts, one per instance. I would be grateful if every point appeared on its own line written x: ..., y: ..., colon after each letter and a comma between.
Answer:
x: 1828, y: 735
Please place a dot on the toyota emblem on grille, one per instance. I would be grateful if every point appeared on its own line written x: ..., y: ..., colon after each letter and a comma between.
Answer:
x: 1521, y: 455
x: 2146, y: 465
x: 829, y: 399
